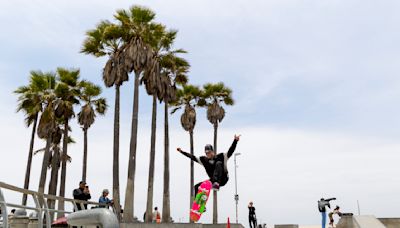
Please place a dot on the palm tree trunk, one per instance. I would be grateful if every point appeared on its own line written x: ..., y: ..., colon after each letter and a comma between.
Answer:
x: 150, y: 190
x: 116, y: 195
x: 43, y: 173
x: 191, y: 172
x: 215, y: 200
x: 29, y: 163
x: 166, y: 213
x: 63, y: 168
x: 84, y: 165
x: 130, y: 190
x: 55, y: 165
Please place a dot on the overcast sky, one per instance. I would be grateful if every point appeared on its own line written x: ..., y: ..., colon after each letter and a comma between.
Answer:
x: 317, y: 92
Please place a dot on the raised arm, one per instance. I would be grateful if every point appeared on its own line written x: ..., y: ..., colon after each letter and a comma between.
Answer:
x: 192, y: 157
x: 233, y: 146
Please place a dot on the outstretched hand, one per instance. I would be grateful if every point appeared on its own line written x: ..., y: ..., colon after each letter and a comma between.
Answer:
x: 237, y: 137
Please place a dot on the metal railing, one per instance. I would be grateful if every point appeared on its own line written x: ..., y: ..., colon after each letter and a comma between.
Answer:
x: 41, y: 205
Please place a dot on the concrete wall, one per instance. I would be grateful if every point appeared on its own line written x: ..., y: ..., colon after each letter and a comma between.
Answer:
x: 287, y: 226
x: 346, y: 221
x: 176, y: 225
x: 390, y: 222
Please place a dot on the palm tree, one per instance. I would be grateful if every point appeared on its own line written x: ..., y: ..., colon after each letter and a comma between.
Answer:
x: 127, y: 44
x: 174, y: 70
x: 46, y: 129
x: 157, y: 84
x: 54, y: 164
x: 54, y: 161
x: 107, y: 39
x: 188, y: 98
x: 67, y: 92
x: 215, y: 95
x: 93, y: 105
x: 30, y: 102
x: 47, y: 125
x: 137, y: 56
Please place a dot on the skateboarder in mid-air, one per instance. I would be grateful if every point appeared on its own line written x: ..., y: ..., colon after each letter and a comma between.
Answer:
x: 214, y: 164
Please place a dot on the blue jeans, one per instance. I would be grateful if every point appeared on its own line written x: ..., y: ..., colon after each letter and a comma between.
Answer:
x: 323, y: 219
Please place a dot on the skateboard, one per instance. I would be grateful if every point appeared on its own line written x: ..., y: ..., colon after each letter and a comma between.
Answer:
x: 200, y: 201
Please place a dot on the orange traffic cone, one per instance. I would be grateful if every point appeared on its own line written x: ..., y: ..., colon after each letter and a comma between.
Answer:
x: 229, y: 224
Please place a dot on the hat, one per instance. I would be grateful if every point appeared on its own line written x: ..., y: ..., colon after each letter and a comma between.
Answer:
x: 208, y: 147
x: 106, y: 191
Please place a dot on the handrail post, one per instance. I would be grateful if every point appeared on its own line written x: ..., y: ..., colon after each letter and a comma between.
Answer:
x: 74, y: 206
x: 3, y: 209
x: 39, y: 208
x: 41, y: 205
x: 46, y: 210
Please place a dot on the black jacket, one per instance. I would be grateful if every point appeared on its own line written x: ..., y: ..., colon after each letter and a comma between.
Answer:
x: 252, y: 211
x: 322, y: 204
x: 209, y: 164
x: 80, y: 195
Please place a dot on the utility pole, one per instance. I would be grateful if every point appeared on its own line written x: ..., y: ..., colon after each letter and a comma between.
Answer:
x: 236, y: 193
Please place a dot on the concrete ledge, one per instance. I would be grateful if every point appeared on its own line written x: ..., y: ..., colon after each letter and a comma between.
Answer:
x: 346, y: 221
x: 368, y: 221
x: 287, y: 226
x: 390, y: 222
x: 96, y: 217
x: 177, y: 225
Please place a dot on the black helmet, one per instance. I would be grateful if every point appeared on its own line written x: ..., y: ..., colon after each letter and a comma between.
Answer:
x: 208, y: 147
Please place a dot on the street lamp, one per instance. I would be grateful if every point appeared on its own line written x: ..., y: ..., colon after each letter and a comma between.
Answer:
x: 236, y: 194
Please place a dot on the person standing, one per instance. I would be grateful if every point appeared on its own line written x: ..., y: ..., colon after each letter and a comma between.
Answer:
x: 252, y: 215
x: 104, y: 199
x: 82, y: 193
x: 156, y: 216
x: 322, y: 204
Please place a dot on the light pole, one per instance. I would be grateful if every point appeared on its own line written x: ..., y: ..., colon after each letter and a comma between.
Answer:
x: 236, y: 194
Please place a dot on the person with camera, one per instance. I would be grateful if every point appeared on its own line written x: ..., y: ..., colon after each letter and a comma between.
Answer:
x: 82, y: 193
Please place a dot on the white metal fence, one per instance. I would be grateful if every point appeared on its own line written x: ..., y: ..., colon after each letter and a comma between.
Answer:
x: 45, y: 214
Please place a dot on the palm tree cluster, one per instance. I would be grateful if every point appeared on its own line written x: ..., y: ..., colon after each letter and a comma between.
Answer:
x: 137, y: 46
x: 49, y: 102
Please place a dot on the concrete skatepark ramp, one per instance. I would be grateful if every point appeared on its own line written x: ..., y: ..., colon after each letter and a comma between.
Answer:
x: 390, y: 222
x: 177, y: 225
x: 367, y: 221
